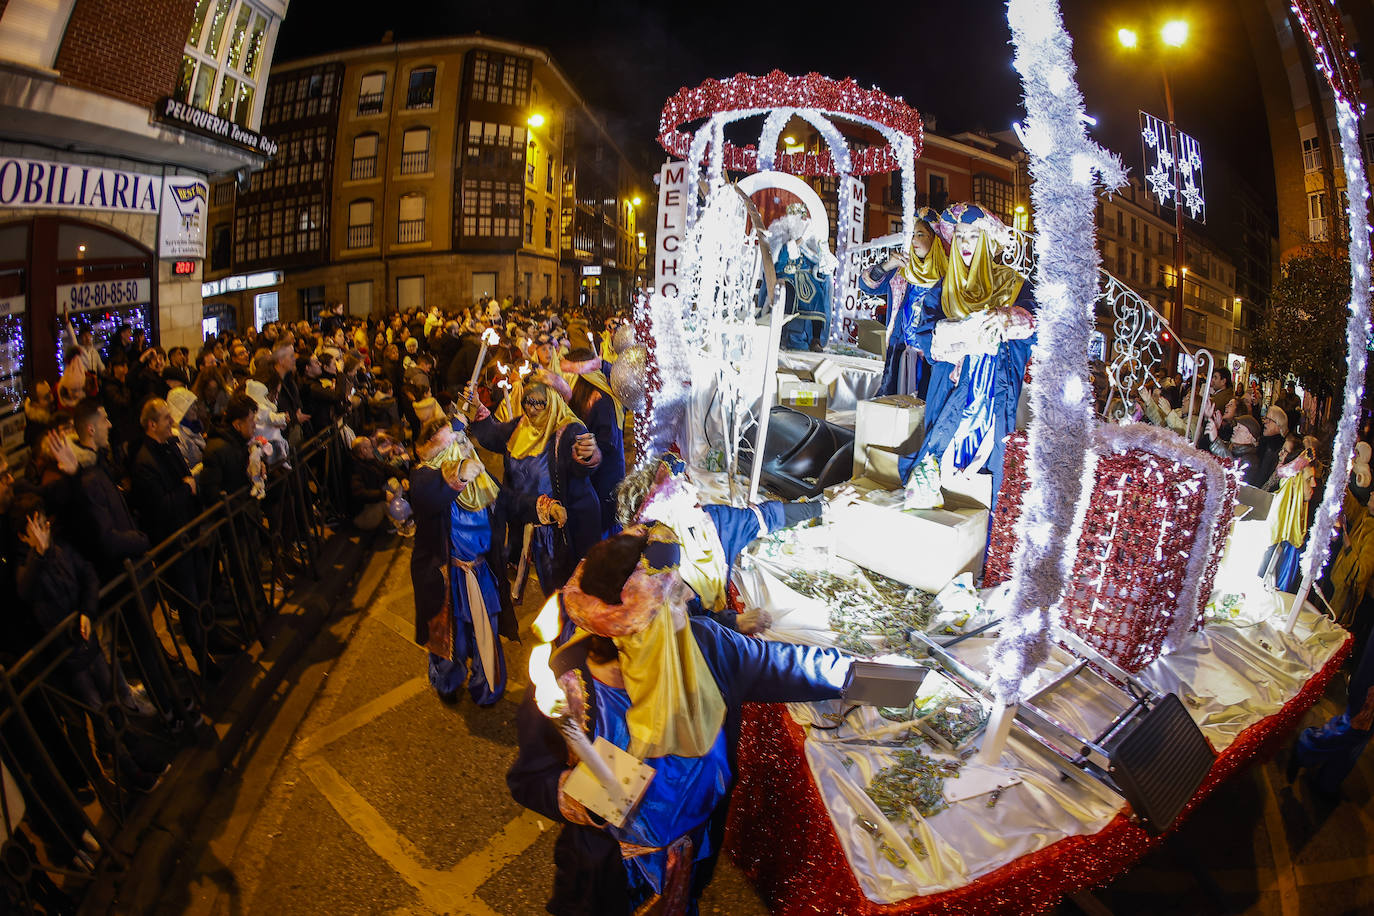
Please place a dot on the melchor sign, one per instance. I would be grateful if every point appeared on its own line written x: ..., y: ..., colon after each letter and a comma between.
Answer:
x: 31, y: 183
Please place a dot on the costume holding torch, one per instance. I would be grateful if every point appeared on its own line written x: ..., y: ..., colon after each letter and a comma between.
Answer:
x: 667, y: 690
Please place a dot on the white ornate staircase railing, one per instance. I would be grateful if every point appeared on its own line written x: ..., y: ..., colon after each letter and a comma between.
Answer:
x: 1138, y: 349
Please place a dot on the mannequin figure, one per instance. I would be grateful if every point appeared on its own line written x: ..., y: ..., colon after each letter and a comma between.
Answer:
x: 806, y: 265
x: 912, y: 291
x: 979, y: 351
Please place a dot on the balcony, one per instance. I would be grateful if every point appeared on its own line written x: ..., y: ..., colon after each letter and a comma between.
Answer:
x: 410, y: 230
x: 415, y: 163
x: 370, y: 103
x: 360, y: 236
x: 364, y: 167
x: 420, y: 97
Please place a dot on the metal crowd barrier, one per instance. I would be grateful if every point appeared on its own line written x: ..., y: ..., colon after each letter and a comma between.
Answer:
x: 77, y: 742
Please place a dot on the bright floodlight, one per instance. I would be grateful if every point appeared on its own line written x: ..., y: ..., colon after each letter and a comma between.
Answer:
x: 535, y: 120
x: 1175, y: 33
x: 637, y: 200
x: 1127, y: 37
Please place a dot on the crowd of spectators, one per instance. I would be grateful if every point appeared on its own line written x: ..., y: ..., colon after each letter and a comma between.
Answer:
x: 134, y: 442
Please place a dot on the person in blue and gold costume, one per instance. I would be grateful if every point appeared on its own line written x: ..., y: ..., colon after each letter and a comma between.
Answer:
x: 668, y: 689
x: 979, y: 350
x: 912, y: 291
x: 458, y: 569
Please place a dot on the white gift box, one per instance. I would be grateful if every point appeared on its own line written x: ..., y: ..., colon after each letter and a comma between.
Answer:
x: 894, y: 423
x: 923, y: 548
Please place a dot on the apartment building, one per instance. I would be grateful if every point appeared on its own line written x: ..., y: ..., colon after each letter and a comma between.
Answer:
x: 440, y: 171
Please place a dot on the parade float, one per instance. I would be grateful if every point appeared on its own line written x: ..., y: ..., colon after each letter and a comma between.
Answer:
x: 1088, y: 683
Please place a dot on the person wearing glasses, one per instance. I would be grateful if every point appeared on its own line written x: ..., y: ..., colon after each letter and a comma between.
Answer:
x: 549, y: 460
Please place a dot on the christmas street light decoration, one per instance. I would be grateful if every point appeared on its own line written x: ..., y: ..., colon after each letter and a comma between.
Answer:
x: 1173, y: 166
x: 1321, y: 23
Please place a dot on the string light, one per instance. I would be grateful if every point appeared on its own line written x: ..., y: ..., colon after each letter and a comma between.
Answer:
x: 1066, y: 278
x: 1321, y: 22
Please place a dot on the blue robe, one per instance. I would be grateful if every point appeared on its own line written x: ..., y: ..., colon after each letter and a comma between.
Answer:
x: 912, y: 326
x: 1330, y: 752
x: 811, y: 303
x: 470, y: 541
x: 601, y: 415
x: 996, y: 378
x: 554, y: 473
x: 591, y: 877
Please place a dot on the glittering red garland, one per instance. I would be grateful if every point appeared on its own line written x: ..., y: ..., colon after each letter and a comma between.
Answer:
x: 781, y: 836
x: 653, y: 379
x: 743, y: 92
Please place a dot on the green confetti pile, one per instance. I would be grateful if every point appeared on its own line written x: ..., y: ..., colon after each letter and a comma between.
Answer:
x: 914, y: 781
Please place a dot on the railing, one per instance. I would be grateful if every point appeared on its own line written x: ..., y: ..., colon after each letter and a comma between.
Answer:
x: 1138, y: 344
x: 410, y: 230
x: 414, y: 163
x: 360, y: 236
x: 364, y: 167
x: 420, y: 97
x: 370, y: 102
x: 75, y: 743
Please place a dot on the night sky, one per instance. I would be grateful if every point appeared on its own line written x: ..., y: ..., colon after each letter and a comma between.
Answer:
x: 951, y: 60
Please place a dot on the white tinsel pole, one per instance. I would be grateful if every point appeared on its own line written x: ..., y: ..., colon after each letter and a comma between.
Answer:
x: 1066, y: 167
x: 1357, y: 339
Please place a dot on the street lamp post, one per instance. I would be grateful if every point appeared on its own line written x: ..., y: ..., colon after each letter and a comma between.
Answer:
x: 1173, y: 34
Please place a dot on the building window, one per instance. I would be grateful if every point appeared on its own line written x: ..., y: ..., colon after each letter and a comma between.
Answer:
x: 222, y: 194
x: 360, y: 298
x: 297, y: 94
x: 529, y: 222
x: 531, y: 157
x: 411, y: 220
x: 415, y: 151
x: 421, y: 91
x: 988, y: 190
x: 500, y: 78
x: 360, y: 224
x: 222, y: 59
x: 372, y: 93
x: 548, y: 175
x: 491, y: 209
x: 265, y: 308
x: 1316, y: 216
x: 1311, y: 154
x: 222, y: 247
x: 495, y: 145
x: 410, y: 293
x: 312, y: 302
x: 938, y: 191
x: 548, y: 227
x: 364, y: 157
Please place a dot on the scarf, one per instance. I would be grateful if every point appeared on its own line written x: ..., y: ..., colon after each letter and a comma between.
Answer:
x: 977, y: 286
x: 529, y: 439
x: 475, y: 496
x: 926, y: 272
x: 598, y: 380
x: 1289, y: 523
x: 703, y: 564
x: 675, y: 706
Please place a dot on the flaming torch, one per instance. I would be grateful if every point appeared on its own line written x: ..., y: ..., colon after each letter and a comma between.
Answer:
x: 489, y: 338
x: 551, y: 700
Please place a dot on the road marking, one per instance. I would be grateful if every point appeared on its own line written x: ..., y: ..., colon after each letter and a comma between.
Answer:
x: 441, y: 891
x: 1289, y: 902
x: 359, y: 717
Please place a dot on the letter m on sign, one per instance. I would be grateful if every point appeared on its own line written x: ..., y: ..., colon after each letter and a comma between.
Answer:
x: 672, y: 219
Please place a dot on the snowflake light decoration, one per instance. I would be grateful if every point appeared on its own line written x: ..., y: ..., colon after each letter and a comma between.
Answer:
x: 1174, y: 174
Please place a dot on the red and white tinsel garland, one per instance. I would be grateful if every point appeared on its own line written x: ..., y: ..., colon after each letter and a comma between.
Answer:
x: 812, y: 92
